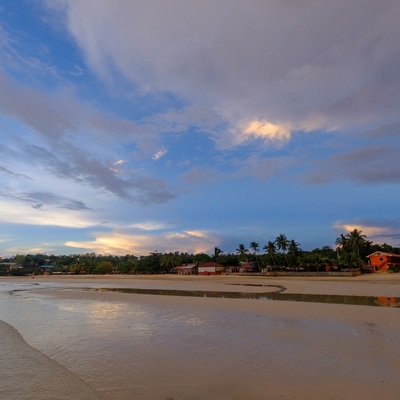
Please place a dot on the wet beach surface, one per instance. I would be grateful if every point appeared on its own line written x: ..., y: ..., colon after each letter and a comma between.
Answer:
x: 153, y: 346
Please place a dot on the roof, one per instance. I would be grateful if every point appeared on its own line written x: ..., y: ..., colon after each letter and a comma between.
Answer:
x: 383, y: 253
x: 46, y: 266
x: 210, y: 265
x: 190, y: 266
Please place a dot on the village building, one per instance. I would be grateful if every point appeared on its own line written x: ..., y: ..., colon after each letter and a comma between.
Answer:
x: 211, y: 268
x: 383, y: 262
x: 8, y: 266
x: 187, y: 269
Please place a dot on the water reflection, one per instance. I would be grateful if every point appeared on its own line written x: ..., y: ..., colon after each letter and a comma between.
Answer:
x: 276, y: 295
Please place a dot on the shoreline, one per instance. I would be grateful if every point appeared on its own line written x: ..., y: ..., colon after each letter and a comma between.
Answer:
x: 363, y: 285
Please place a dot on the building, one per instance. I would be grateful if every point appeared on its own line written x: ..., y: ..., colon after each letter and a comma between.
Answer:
x: 7, y: 266
x: 383, y: 262
x: 211, y: 268
x: 188, y: 269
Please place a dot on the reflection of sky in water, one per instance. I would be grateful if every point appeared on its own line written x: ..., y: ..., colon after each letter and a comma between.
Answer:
x: 123, y: 346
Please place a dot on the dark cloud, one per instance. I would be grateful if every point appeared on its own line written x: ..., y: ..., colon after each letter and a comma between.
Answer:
x: 73, y: 144
x: 39, y: 200
x: 373, y: 164
x: 12, y: 173
x: 313, y: 64
x: 75, y: 164
x: 391, y: 130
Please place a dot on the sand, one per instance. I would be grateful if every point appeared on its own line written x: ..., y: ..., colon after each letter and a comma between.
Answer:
x: 211, y: 348
x: 27, y: 374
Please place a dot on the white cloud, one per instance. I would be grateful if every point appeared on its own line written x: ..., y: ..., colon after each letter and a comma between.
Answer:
x: 160, y: 153
x: 51, y: 216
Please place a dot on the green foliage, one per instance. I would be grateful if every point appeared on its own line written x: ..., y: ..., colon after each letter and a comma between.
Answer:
x: 279, y: 254
x: 104, y: 267
x: 202, y: 258
x: 150, y: 264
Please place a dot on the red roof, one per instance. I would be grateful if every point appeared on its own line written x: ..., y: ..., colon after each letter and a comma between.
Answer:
x: 210, y: 265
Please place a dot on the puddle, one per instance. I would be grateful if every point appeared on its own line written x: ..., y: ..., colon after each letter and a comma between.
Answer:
x: 278, y: 295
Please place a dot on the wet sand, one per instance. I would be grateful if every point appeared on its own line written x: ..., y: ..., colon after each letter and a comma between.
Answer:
x: 210, y: 348
x: 28, y: 374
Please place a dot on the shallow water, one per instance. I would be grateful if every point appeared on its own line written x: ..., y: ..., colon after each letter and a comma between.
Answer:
x: 278, y: 295
x: 158, y: 348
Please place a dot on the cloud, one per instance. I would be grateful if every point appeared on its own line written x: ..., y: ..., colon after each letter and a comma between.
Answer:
x: 12, y: 173
x: 203, y: 176
x: 160, y: 153
x: 310, y: 64
x: 267, y: 130
x: 34, y: 213
x: 379, y: 230
x: 122, y: 242
x: 59, y: 124
x: 369, y: 164
x: 39, y: 200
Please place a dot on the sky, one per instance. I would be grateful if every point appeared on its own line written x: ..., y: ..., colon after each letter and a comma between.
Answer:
x: 132, y: 126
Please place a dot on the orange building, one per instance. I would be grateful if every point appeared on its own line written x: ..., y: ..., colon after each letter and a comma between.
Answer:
x: 382, y: 262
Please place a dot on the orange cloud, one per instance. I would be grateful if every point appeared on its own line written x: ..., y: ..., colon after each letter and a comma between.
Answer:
x: 267, y: 130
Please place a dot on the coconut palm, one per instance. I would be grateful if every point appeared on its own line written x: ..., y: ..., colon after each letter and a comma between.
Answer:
x: 255, y: 246
x: 169, y: 260
x: 217, y: 252
x: 356, y: 240
x: 282, y: 244
x: 242, y: 251
x: 293, y: 252
x: 270, y: 249
x: 341, y: 244
x: 350, y: 260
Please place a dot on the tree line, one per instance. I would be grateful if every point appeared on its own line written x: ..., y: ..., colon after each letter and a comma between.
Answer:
x: 280, y: 254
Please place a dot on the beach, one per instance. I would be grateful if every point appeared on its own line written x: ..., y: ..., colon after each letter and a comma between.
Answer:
x: 150, y: 346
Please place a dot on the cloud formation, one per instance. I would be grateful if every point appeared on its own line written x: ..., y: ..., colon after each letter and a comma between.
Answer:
x: 370, y: 164
x: 379, y: 230
x: 309, y: 64
x: 60, y: 123
x: 123, y: 242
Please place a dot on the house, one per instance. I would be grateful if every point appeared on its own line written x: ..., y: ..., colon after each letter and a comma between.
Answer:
x: 382, y: 261
x: 246, y: 266
x: 211, y: 268
x: 187, y: 269
x: 46, y: 268
x: 8, y: 266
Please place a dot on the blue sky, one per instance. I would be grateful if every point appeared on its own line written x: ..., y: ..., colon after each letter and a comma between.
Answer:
x: 130, y: 126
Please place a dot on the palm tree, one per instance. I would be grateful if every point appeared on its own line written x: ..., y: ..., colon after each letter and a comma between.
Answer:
x: 293, y: 251
x: 356, y: 240
x: 242, y: 251
x: 169, y: 260
x: 255, y: 246
x: 270, y: 249
x: 217, y: 252
x: 282, y: 244
x: 341, y: 243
